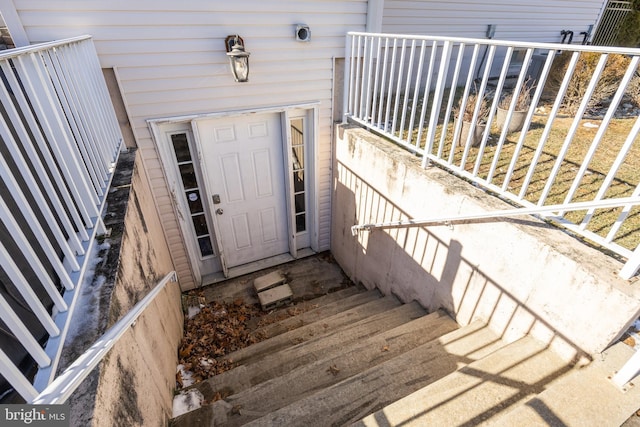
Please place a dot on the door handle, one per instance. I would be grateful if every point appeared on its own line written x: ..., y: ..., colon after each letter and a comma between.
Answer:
x: 219, y: 211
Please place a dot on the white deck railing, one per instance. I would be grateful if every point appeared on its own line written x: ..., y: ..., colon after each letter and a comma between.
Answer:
x: 60, y: 141
x: 579, y: 135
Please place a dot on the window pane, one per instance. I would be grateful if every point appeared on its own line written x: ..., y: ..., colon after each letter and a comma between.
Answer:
x: 297, y: 157
x: 301, y: 223
x: 200, y: 225
x: 181, y: 147
x: 188, y: 176
x: 195, y: 203
x: 205, y: 246
x: 298, y: 181
x: 299, y: 203
x: 297, y: 132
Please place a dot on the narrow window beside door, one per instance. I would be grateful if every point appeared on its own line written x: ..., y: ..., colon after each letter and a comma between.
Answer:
x: 297, y: 155
x: 192, y: 192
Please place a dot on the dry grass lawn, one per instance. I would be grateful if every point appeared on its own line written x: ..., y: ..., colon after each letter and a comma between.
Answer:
x: 625, y: 181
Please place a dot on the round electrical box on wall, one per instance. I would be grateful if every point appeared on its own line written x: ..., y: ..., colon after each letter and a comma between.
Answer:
x: 303, y: 33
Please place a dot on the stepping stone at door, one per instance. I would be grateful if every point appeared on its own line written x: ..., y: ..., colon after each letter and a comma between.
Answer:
x: 268, y: 281
x: 274, y: 297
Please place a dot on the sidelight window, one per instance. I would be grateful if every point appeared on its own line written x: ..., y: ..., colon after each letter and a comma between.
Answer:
x: 192, y: 192
x: 297, y: 156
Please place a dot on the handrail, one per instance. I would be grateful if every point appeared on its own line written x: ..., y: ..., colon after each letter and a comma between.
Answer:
x: 607, y: 203
x: 66, y: 383
x: 17, y: 51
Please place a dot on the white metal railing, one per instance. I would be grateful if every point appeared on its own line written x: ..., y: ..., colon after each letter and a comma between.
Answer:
x: 60, y: 141
x: 416, y: 91
x: 609, y: 25
x: 66, y: 383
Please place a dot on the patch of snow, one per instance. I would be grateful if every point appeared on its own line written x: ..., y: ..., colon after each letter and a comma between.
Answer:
x: 193, y: 311
x: 85, y: 313
x: 590, y: 125
x: 206, y: 362
x: 187, y: 401
x: 187, y: 376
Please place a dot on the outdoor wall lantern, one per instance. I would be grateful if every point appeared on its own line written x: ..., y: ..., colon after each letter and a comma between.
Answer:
x: 238, y: 58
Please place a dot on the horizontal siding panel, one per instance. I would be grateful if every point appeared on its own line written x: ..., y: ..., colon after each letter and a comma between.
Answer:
x: 523, y: 21
x: 194, y: 6
x: 257, y: 45
x: 197, y: 72
x: 219, y: 82
x: 263, y: 16
x: 212, y: 32
x: 237, y: 103
x: 212, y: 58
x: 220, y: 93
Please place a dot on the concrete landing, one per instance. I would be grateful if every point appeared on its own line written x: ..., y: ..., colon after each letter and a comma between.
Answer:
x: 586, y: 398
x: 308, y: 278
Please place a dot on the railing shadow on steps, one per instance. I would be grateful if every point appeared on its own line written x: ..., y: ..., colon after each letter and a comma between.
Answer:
x: 458, y: 286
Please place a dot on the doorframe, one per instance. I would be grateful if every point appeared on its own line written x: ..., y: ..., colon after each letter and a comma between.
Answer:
x: 188, y: 121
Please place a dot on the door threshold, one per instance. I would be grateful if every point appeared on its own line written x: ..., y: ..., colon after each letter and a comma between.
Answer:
x: 252, y: 267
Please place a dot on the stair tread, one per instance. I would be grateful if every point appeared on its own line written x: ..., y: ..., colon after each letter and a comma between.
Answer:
x: 478, y: 391
x: 330, y: 368
x: 363, y: 393
x: 584, y: 398
x: 393, y: 325
x: 312, y: 330
x: 325, y: 307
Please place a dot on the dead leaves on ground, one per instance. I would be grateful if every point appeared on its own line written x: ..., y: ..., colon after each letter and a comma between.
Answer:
x: 219, y: 329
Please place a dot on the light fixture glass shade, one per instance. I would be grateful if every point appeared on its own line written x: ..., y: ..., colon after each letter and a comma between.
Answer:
x: 239, y: 61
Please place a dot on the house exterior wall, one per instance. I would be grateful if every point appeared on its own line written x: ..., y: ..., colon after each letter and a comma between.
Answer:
x: 519, y: 275
x: 539, y: 21
x: 170, y: 60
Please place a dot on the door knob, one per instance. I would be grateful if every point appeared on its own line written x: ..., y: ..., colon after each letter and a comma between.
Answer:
x: 219, y: 211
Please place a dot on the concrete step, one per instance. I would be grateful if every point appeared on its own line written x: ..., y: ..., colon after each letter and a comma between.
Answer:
x: 312, y: 331
x: 326, y: 307
x: 304, y: 306
x: 331, y: 367
x: 372, y: 389
x: 268, y: 281
x: 585, y: 398
x: 275, y: 297
x: 387, y: 325
x: 480, y: 391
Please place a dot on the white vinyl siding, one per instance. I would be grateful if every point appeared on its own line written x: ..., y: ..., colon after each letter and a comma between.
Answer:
x: 170, y: 60
x: 536, y: 21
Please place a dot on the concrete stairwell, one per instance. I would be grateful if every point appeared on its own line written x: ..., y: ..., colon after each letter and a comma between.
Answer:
x: 366, y: 359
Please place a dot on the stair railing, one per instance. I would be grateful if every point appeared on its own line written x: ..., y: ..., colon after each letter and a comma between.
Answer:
x: 62, y: 387
x: 626, y: 272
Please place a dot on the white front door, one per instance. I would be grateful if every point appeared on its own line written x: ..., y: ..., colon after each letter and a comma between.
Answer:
x: 242, y: 161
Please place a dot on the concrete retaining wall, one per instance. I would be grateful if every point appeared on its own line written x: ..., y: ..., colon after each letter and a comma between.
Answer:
x: 138, y: 377
x: 134, y: 383
x: 519, y: 275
